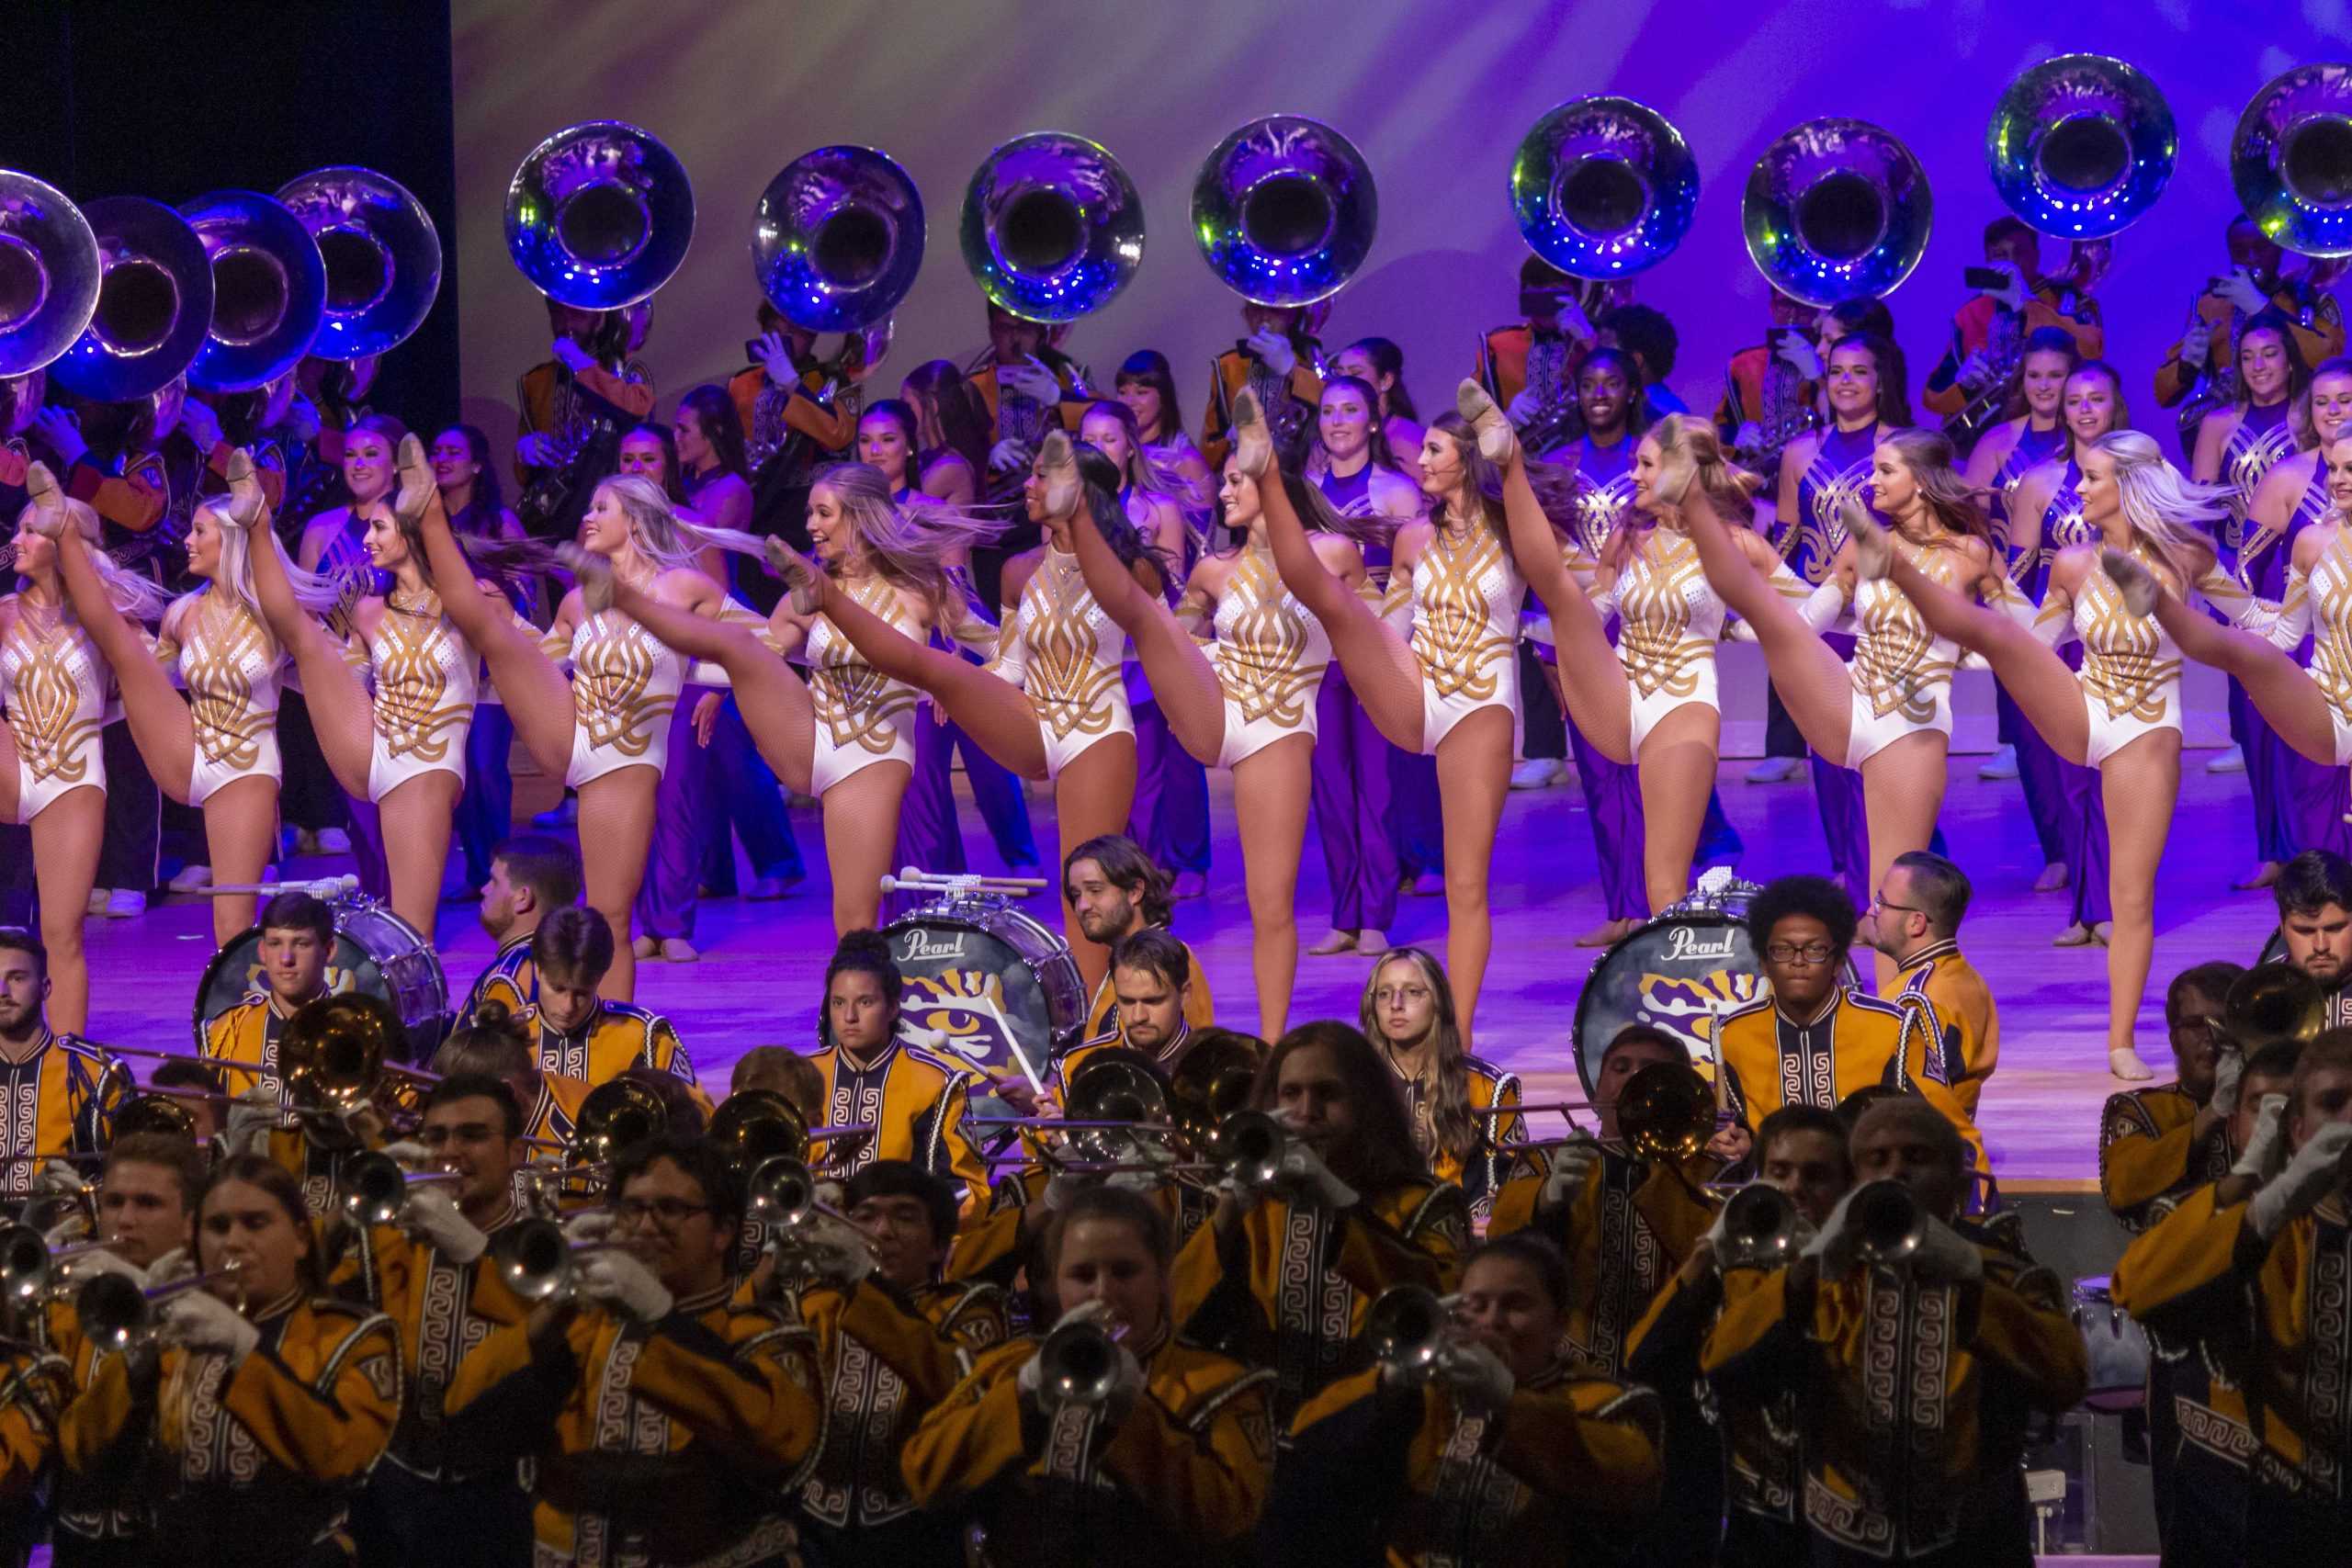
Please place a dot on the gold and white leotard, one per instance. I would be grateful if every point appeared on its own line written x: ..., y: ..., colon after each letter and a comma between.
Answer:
x: 53, y: 685
x: 1061, y: 648
x: 1464, y: 594
x: 2319, y: 605
x: 230, y: 667
x: 427, y: 678
x: 862, y: 715
x: 1901, y: 673
x: 1269, y: 654
x: 624, y: 683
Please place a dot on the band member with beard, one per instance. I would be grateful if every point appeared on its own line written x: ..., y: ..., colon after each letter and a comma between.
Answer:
x: 915, y: 1100
x: 1919, y: 1373
x: 1460, y: 1106
x: 63, y: 1094
x: 2159, y: 1143
x: 1282, y: 365
x: 1914, y: 922
x: 531, y: 876
x: 1115, y: 891
x: 2314, y: 895
x: 1499, y: 1450
x: 1166, y: 1459
x: 1151, y: 982
x: 1284, y: 1274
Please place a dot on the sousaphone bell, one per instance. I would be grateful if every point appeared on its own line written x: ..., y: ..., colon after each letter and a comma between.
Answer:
x: 838, y: 239
x: 1052, y: 227
x: 1603, y: 187
x: 2081, y: 145
x: 2290, y: 160
x: 1837, y: 209
x: 1284, y: 211
x: 269, y: 290
x: 599, y: 215
x: 382, y: 254
x: 154, y: 303
x: 49, y: 273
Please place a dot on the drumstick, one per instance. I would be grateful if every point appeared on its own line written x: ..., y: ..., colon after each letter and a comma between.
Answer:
x: 1012, y: 1042
x: 323, y: 887
x: 912, y: 881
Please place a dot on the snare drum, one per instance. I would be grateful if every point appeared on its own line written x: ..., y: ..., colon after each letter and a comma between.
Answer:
x: 976, y: 967
x: 375, y: 952
x: 2115, y: 1345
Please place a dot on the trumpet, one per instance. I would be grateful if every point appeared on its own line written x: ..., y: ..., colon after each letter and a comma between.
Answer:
x: 538, y: 1261
x: 1888, y: 1222
x: 375, y: 1188
x: 1761, y: 1228
x: 28, y: 1264
x: 1667, y: 1113
x: 1248, y: 1148
x: 1408, y: 1328
x: 117, y: 1314
x: 1079, y: 1362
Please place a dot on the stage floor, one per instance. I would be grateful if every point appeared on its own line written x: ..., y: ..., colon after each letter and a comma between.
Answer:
x: 762, y: 965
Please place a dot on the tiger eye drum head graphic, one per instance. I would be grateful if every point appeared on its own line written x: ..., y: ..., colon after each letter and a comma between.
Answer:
x: 977, y: 968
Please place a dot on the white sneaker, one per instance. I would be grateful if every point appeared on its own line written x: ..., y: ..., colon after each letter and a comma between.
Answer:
x: 97, y: 901
x: 1775, y: 769
x: 125, y: 902
x: 2001, y: 764
x: 334, y: 841
x: 2231, y: 761
x: 1539, y: 773
x: 191, y: 879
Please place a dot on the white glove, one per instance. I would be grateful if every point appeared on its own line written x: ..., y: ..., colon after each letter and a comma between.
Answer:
x: 2010, y: 296
x: 1796, y: 351
x: 1975, y: 372
x: 1572, y: 1166
x: 1832, y: 1246
x: 570, y: 354
x: 2241, y: 290
x: 2228, y: 1068
x: 618, y: 1280
x: 590, y: 1224
x: 1575, y: 322
x: 57, y: 1179
x: 432, y: 1215
x: 1274, y: 350
x: 2314, y: 1171
x: 408, y: 1154
x: 536, y: 451
x: 253, y: 1116
x: 1144, y: 1151
x: 1062, y: 1189
x: 1302, y: 1174
x: 200, y: 1320
x: 2259, y: 1158
x: 169, y: 1267
x: 1525, y: 409
x: 1008, y: 454
x: 1747, y: 437
x: 89, y: 1265
x: 1945, y: 1253
x: 2196, y: 344
x: 1030, y: 379
x: 775, y: 360
x: 1475, y: 1376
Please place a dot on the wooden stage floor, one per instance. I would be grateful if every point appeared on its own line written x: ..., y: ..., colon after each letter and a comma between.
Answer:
x: 761, y: 964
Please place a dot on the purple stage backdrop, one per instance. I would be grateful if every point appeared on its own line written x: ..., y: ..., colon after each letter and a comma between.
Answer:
x: 1437, y: 96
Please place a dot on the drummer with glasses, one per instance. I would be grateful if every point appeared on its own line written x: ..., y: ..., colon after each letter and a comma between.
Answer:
x: 1811, y: 1039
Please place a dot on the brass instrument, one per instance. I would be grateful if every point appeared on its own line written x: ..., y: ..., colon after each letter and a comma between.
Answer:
x: 755, y: 1126
x: 49, y: 273
x: 269, y: 290
x: 160, y: 1110
x: 1761, y: 1229
x: 1603, y: 187
x: 2290, y: 160
x: 1248, y: 1148
x: 117, y: 1315
x: 1212, y: 1081
x: 1667, y: 1113
x: 382, y: 254
x: 1889, y: 1224
x: 28, y: 1274
x: 613, y: 1116
x: 1079, y: 1361
x: 1408, y: 1328
x: 538, y: 1261
x: 838, y: 239
x: 154, y: 304
x: 333, y: 1055
x: 599, y: 215
x: 1052, y: 227
x: 376, y: 1189
x: 2272, y: 1001
x: 1284, y: 211
x: 1837, y: 209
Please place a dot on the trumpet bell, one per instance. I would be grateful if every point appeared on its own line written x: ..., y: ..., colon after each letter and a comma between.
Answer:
x: 269, y: 290
x: 1117, y: 1085
x: 756, y: 1126
x: 780, y: 1191
x: 613, y: 1116
x: 2273, y: 1002
x: 1284, y: 211
x: 1406, y: 1326
x: 1248, y: 1145
x: 49, y: 273
x: 1888, y: 1222
x: 24, y: 1264
x: 1212, y: 1081
x: 838, y: 239
x: 534, y: 1260
x: 155, y: 1114
x: 1837, y: 209
x: 1053, y: 227
x: 1761, y: 1228
x: 154, y: 304
x: 1666, y: 1111
x: 2081, y: 146
x: 382, y: 254
x: 1603, y: 187
x: 2290, y: 160
x: 1077, y: 1363
x: 599, y: 215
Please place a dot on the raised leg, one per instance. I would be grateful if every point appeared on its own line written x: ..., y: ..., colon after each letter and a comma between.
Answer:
x: 241, y: 828
x: 1678, y: 769
x: 773, y: 699
x: 1473, y: 780
x: 615, y: 831
x: 65, y: 862
x: 1813, y: 681
x: 2282, y: 689
x: 416, y: 815
x: 994, y: 712
x: 1092, y: 796
x: 159, y: 717
x: 1271, y: 787
x: 861, y: 816
x: 342, y: 715
x: 1191, y: 698
x: 2141, y: 782
x: 2046, y: 691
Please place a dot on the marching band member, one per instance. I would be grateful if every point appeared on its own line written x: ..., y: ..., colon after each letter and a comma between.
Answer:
x: 1117, y: 891
x: 1914, y: 922
x: 1500, y: 1451
x: 1283, y: 1275
x: 890, y: 1347
x: 1809, y: 1040
x: 578, y: 1033
x: 2160, y: 1142
x: 2245, y: 1265
x: 1407, y: 1010
x: 1281, y: 366
x: 589, y: 379
x: 1166, y: 1462
x: 34, y: 1389
x: 62, y: 1093
x: 915, y: 1100
x: 1028, y: 385
x: 1770, y: 388
x: 1151, y: 985
x: 1917, y: 1375
x: 531, y: 876
x: 793, y: 412
x: 2122, y: 714
x: 1529, y: 368
x: 245, y: 1420
x: 2202, y: 361
x: 2313, y: 894
x: 1146, y: 384
x: 491, y: 1042
x: 668, y: 1421
x: 295, y: 951
x: 1380, y: 364
x: 1997, y: 322
x: 433, y: 1271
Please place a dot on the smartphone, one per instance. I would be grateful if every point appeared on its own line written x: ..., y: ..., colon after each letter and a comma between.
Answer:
x: 754, y: 348
x: 1984, y: 278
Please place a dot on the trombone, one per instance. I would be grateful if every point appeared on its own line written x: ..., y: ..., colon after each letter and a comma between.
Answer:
x: 117, y: 1314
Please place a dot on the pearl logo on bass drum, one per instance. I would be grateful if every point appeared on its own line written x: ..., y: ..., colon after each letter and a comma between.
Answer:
x: 1700, y: 944
x: 930, y: 947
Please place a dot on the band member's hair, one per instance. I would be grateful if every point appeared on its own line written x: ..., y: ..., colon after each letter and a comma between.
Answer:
x: 2211, y: 980
x: 189, y: 1075
x: 299, y: 912
x: 1637, y: 406
x: 1648, y: 1035
x: 1849, y: 1109
x: 2271, y: 319
x: 1156, y: 951
x: 285, y: 1190
x: 1867, y: 316
x: 861, y: 953
x: 913, y: 546
x: 1921, y: 1121
x: 1730, y: 489
x: 721, y: 423
x: 2172, y: 512
x: 1451, y: 1126
x: 1123, y: 864
x: 493, y: 1042
x: 666, y: 541
x: 1388, y: 360
x: 482, y: 513
x: 900, y: 412
x: 1380, y: 1152
x: 189, y: 1164
x: 701, y: 1163
x: 673, y: 480
x: 1793, y: 1119
x: 1816, y: 895
x: 20, y: 938
x: 1928, y: 457
x: 1142, y: 471
x: 479, y: 1086
x: 1941, y: 887
x: 550, y: 867
x: 1538, y: 1254
x: 1315, y: 511
x: 2311, y: 882
x: 681, y: 1112
x: 1118, y: 1204
x: 575, y: 941
x: 956, y: 408
x: 1383, y: 454
x: 784, y: 1071
x: 903, y: 1179
x: 2052, y: 340
x: 387, y: 428
x: 1534, y: 272
x: 1886, y: 360
x: 2009, y: 227
x: 139, y: 598
x: 1644, y: 332
x: 1149, y: 368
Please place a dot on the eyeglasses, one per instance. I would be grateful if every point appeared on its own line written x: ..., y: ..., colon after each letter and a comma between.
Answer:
x: 1881, y: 901
x: 1387, y: 994
x: 668, y: 1212
x: 1790, y: 953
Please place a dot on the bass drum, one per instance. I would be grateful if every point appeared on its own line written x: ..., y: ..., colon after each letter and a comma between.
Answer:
x: 1678, y: 973
x: 375, y: 952
x: 979, y: 971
